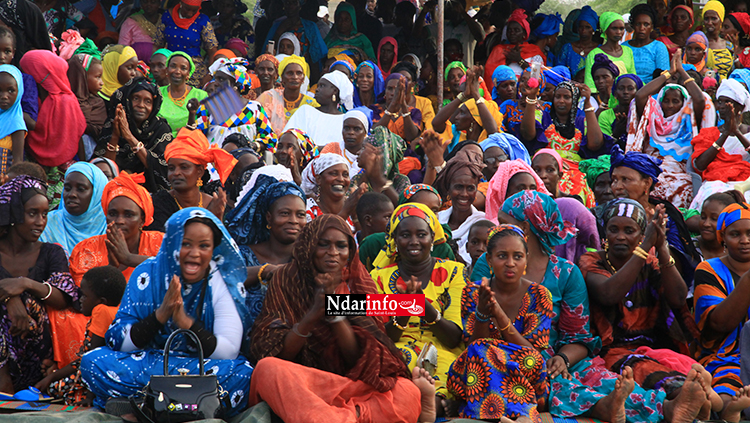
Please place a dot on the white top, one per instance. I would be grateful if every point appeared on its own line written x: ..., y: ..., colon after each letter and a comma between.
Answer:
x: 461, y: 235
x: 321, y: 127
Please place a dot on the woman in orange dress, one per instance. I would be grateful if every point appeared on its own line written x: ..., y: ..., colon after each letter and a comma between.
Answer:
x: 128, y: 208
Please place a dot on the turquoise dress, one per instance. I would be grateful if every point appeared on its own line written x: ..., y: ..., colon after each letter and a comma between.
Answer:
x: 591, y: 381
x: 648, y: 58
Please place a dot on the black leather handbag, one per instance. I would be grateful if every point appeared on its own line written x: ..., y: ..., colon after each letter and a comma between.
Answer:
x: 180, y: 398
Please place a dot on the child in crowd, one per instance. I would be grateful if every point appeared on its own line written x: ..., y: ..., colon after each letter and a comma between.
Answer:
x: 12, y: 126
x: 30, y: 96
x: 102, y: 289
x: 477, y: 243
x: 373, y: 211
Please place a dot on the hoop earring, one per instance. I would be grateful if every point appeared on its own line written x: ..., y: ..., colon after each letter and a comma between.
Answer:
x: 268, y: 227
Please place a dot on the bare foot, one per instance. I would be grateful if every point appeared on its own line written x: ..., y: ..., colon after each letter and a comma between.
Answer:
x: 684, y: 408
x: 733, y: 410
x: 426, y: 385
x: 716, y: 402
x: 623, y: 388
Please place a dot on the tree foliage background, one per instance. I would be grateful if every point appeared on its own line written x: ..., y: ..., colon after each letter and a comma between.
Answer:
x: 564, y: 6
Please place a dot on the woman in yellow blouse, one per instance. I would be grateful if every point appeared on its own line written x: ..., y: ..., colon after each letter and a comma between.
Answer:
x: 405, y: 266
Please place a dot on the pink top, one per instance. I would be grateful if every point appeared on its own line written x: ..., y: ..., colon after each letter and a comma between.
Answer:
x: 131, y: 33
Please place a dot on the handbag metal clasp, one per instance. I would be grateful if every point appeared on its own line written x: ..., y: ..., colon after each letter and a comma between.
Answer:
x: 183, y: 372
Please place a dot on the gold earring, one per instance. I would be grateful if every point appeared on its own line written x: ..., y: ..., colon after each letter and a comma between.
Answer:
x: 268, y: 227
x: 199, y: 183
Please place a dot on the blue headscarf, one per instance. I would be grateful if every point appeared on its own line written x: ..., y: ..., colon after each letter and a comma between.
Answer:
x: 643, y: 163
x: 343, y: 63
x: 509, y: 144
x: 543, y: 215
x: 557, y: 75
x: 378, y: 85
x: 634, y: 77
x: 742, y: 75
x: 247, y: 221
x: 150, y: 280
x: 67, y: 230
x: 588, y: 15
x: 11, y: 120
x: 549, y: 26
x: 501, y: 73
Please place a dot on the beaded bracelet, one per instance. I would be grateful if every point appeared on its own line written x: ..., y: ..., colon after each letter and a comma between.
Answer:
x: 481, y: 317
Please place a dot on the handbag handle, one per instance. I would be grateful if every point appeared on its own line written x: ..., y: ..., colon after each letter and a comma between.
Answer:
x: 167, y: 348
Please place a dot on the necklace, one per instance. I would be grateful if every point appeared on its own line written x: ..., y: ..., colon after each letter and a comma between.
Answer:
x: 200, y: 202
x: 179, y: 102
x: 606, y: 257
x: 288, y: 105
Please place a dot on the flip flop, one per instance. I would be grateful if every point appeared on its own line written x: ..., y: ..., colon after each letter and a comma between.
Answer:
x: 31, y: 394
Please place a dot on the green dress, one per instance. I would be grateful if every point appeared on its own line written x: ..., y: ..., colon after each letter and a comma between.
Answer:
x: 177, y: 116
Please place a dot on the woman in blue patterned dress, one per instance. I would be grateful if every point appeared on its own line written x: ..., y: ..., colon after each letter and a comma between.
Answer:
x: 185, y: 29
x: 579, y: 382
x: 265, y: 223
x: 506, y: 323
x: 196, y: 282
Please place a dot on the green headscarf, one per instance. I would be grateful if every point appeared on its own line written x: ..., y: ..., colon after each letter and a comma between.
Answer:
x: 88, y: 47
x: 348, y: 8
x: 593, y: 168
x: 453, y: 65
x: 185, y: 55
x: 606, y: 19
x: 164, y: 52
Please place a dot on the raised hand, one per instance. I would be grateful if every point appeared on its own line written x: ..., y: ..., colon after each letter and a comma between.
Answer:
x: 433, y: 146
x: 218, y: 203
x: 116, y: 245
x: 192, y: 105
x: 172, y: 300
x: 328, y: 281
x: 410, y: 286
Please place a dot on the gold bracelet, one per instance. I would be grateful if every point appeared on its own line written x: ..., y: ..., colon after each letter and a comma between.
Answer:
x: 668, y: 265
x: 393, y: 115
x: 716, y: 146
x: 481, y: 100
x: 113, y: 148
x: 138, y: 147
x: 589, y: 109
x: 667, y: 74
x: 506, y: 327
x: 640, y: 252
x: 531, y: 101
x: 688, y: 80
x: 461, y: 97
x: 260, y: 272
x: 395, y: 323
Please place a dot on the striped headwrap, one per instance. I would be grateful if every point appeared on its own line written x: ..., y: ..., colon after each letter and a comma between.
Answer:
x: 625, y: 207
x: 731, y: 214
x: 409, y: 192
x: 504, y: 228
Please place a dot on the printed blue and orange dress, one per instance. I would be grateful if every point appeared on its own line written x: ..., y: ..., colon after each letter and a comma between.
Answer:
x: 495, y: 378
x: 199, y: 34
x: 719, y: 353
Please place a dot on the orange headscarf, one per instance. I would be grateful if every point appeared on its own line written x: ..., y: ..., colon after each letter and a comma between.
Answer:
x: 126, y: 185
x: 193, y: 146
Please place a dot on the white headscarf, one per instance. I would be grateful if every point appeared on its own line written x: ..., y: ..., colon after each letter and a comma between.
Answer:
x: 417, y: 62
x: 346, y: 89
x: 279, y: 172
x: 360, y: 116
x: 317, y: 166
x: 291, y: 37
x: 733, y: 89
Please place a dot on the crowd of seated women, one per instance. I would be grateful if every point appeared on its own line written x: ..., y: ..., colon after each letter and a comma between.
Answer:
x: 572, y: 207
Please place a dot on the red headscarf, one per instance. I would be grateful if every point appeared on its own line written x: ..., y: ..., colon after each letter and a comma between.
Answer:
x: 61, y: 123
x: 185, y: 23
x: 193, y: 147
x: 689, y: 10
x: 520, y: 17
x: 383, y: 41
x: 269, y: 57
x: 126, y: 185
x: 744, y: 20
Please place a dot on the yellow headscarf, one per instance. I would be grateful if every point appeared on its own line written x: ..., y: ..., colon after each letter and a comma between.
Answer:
x: 111, y: 63
x: 474, y: 110
x: 388, y: 255
x: 294, y: 59
x: 716, y: 6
